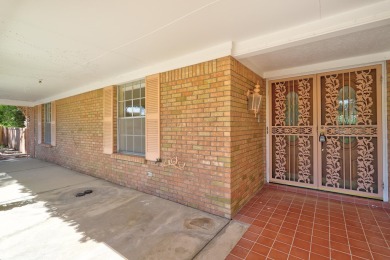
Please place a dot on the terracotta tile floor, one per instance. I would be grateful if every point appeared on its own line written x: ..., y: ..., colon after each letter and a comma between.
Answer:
x: 301, y: 224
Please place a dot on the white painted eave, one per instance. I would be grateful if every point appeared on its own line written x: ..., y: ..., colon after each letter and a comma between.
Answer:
x: 112, y: 64
x: 363, y: 60
x: 355, y: 20
x: 16, y: 103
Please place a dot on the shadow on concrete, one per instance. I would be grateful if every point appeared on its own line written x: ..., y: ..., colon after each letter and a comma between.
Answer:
x: 111, y: 222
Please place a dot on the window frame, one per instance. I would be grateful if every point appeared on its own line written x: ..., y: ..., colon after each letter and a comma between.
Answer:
x: 47, y: 121
x: 119, y: 118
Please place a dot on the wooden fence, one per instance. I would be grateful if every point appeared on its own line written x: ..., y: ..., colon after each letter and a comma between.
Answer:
x: 13, y: 137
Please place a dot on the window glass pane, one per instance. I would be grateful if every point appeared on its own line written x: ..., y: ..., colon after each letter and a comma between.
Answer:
x: 136, y: 92
x: 143, y: 126
x: 143, y: 107
x: 128, y: 93
x: 138, y: 126
x: 131, y: 117
x: 292, y: 109
x: 138, y: 144
x: 122, y: 126
x: 121, y: 109
x: 47, y: 113
x: 129, y: 108
x: 120, y: 94
x: 130, y: 144
x: 130, y: 126
x: 47, y: 123
x: 136, y: 107
x: 122, y: 143
x: 143, y: 144
x: 47, y: 133
x: 347, y: 110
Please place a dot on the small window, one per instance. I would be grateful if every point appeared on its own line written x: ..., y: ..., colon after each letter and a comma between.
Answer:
x: 292, y: 110
x: 131, y: 118
x: 47, y: 123
x: 347, y: 110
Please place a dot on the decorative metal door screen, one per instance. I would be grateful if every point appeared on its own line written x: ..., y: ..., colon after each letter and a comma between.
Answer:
x: 292, y: 131
x: 347, y: 158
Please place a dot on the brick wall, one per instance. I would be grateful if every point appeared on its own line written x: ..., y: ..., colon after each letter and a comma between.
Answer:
x: 79, y: 134
x: 194, y: 112
x: 204, y: 122
x: 248, y: 137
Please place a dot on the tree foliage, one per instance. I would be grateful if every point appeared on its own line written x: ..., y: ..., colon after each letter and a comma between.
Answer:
x: 11, y: 116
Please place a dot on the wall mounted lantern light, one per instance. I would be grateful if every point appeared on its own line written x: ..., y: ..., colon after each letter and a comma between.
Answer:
x: 254, y: 100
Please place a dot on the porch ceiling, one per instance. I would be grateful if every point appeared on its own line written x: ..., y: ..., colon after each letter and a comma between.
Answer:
x: 75, y: 46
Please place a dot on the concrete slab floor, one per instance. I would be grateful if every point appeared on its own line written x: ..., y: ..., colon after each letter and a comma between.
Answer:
x: 41, y: 218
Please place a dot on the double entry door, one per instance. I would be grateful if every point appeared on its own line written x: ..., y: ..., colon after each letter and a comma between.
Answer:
x: 326, y: 131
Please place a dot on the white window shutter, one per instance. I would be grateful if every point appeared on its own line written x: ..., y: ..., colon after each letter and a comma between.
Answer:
x: 39, y: 119
x: 53, y: 123
x: 152, y: 121
x: 108, y: 120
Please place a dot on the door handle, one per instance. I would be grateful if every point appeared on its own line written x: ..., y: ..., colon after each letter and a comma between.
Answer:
x: 322, y: 138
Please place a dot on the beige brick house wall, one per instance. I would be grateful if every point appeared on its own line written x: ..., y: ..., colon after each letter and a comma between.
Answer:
x: 248, y: 137
x: 204, y: 122
x: 194, y: 127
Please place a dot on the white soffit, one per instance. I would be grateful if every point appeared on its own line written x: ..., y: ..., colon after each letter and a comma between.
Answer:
x: 77, y: 46
x: 357, y: 37
x: 353, y: 49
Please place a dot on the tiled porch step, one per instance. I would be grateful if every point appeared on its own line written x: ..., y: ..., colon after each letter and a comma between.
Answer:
x: 330, y: 195
x: 295, y: 223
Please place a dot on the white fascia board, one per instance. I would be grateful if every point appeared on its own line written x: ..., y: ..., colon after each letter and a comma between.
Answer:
x: 329, y: 65
x: 355, y: 20
x: 16, y: 103
x: 212, y: 53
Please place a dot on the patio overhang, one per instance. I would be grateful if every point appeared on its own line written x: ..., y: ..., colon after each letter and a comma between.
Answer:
x: 74, y: 51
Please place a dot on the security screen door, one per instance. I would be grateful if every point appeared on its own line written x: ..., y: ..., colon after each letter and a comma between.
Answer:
x: 326, y: 131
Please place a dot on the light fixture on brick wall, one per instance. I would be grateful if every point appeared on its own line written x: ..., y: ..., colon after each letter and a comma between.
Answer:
x: 254, y: 100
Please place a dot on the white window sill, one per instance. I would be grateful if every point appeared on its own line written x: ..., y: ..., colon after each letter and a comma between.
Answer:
x: 46, y: 145
x: 129, y: 157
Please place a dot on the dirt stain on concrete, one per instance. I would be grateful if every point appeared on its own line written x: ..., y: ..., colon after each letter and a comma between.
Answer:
x: 203, y: 223
x: 138, y: 218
